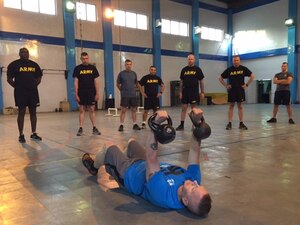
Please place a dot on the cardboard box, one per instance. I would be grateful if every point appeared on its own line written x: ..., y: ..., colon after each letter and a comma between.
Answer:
x: 64, y: 106
x: 10, y: 111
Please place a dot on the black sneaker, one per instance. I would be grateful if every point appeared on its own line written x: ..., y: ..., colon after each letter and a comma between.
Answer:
x: 88, y: 162
x: 80, y: 131
x: 243, y: 126
x: 228, y: 126
x: 291, y: 121
x: 96, y: 131
x: 272, y: 120
x: 180, y: 127
x: 143, y: 126
x: 35, y: 137
x: 121, y: 128
x: 136, y: 127
x: 22, y: 139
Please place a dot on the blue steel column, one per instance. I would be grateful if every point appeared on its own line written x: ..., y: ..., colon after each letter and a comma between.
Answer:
x: 1, y: 92
x: 156, y: 39
x: 230, y: 32
x: 195, y: 37
x: 108, y: 51
x: 70, y: 54
x: 292, y: 55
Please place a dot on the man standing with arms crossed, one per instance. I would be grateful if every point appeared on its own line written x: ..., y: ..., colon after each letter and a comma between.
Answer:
x: 127, y: 84
x: 282, y: 93
x: 24, y: 76
x: 86, y: 91
x: 190, y: 77
x: 150, y: 92
x: 236, y: 89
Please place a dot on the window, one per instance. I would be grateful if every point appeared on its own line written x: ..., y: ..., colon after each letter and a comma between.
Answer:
x: 85, y: 12
x: 39, y: 6
x: 175, y: 27
x: 212, y: 34
x: 119, y: 18
x: 130, y: 19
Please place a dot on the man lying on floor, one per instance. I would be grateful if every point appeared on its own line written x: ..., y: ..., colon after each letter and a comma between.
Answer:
x: 139, y: 171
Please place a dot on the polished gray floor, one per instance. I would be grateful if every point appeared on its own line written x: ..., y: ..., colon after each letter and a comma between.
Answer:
x: 253, y: 176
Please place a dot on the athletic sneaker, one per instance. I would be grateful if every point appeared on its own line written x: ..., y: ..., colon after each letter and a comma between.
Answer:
x: 80, y: 131
x: 22, y: 139
x: 228, y: 126
x: 136, y: 127
x: 243, y: 126
x: 34, y: 136
x: 88, y: 162
x: 143, y: 126
x: 121, y: 128
x: 96, y: 131
x: 272, y: 120
x: 180, y: 127
x: 291, y: 121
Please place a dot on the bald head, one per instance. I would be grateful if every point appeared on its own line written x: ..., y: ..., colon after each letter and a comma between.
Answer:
x: 191, y: 60
x: 24, y: 53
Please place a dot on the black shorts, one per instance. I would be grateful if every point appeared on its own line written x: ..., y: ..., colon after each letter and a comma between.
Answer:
x: 236, y: 94
x: 87, y: 97
x: 190, y: 96
x: 151, y: 103
x: 128, y: 102
x: 282, y: 98
x: 24, y: 97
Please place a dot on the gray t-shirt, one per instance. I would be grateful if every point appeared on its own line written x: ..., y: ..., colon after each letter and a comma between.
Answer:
x: 128, y: 80
x: 283, y: 76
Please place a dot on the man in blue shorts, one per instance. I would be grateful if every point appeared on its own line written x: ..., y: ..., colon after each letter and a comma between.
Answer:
x: 127, y: 84
x: 236, y: 89
x: 164, y: 185
x: 282, y: 93
x: 150, y: 92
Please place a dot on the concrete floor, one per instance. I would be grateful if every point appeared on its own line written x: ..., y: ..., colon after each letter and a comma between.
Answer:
x: 253, y: 176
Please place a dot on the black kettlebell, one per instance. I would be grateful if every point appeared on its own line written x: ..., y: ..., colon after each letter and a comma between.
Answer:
x: 202, y: 130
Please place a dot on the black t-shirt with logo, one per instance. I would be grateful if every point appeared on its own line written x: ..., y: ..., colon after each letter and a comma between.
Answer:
x: 236, y: 75
x: 25, y: 73
x: 151, y: 83
x: 190, y: 75
x: 85, y: 75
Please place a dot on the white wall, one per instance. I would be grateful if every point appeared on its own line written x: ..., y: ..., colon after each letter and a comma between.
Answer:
x: 129, y: 36
x: 178, y: 12
x: 269, y: 18
x: 264, y: 68
x: 53, y: 56
x: 52, y: 89
x: 212, y: 71
x: 14, y: 20
x: 215, y: 20
x: 91, y: 31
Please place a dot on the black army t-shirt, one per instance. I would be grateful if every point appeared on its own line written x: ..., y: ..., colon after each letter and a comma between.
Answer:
x: 190, y: 75
x: 25, y: 73
x: 151, y: 82
x: 236, y: 75
x: 85, y: 75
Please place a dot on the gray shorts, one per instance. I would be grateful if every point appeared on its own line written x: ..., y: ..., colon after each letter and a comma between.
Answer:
x: 116, y: 162
x: 128, y: 102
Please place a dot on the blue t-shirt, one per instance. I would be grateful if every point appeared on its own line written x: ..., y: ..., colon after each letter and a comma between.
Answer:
x: 161, y: 189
